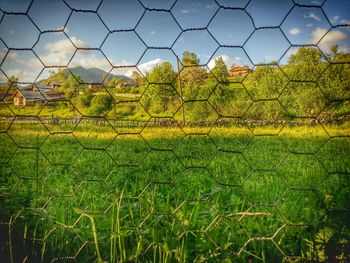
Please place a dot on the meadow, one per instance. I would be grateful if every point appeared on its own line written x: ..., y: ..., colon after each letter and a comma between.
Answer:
x: 175, y: 194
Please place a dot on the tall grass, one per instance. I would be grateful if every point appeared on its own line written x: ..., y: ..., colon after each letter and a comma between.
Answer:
x: 225, y: 196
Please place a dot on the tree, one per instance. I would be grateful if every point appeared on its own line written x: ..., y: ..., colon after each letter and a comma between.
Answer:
x: 220, y: 70
x: 12, y: 82
x: 305, y: 55
x: 161, y: 96
x: 71, y: 84
x: 306, y: 64
x: 101, y: 104
x: 163, y: 73
x: 190, y: 59
x: 138, y: 78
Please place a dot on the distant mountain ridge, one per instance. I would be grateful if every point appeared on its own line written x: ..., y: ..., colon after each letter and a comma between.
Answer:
x: 95, y: 75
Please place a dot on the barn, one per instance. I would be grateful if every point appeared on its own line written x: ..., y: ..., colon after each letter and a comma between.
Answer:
x: 239, y: 71
x: 27, y: 98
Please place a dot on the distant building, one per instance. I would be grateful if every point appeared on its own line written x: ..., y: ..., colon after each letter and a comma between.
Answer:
x: 95, y: 86
x: 40, y: 88
x: 23, y: 97
x: 54, y: 85
x: 239, y: 71
x: 37, y: 95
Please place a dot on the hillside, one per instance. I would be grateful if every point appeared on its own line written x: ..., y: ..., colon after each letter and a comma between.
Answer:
x: 91, y: 75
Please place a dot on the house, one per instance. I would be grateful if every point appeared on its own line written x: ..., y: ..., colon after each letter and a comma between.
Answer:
x: 23, y: 97
x: 95, y: 86
x: 239, y: 71
x: 54, y: 85
x: 40, y: 88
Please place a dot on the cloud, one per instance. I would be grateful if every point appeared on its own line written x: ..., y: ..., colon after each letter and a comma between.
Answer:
x: 229, y: 61
x: 184, y: 11
x: 58, y: 53
x: 65, y: 46
x: 333, y: 37
x: 345, y: 21
x: 23, y: 65
x: 148, y: 66
x: 312, y: 15
x: 335, y: 19
x: 210, y: 6
x: 90, y: 59
x: 294, y: 31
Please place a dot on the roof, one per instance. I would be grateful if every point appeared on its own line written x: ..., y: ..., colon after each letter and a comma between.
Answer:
x: 30, y: 95
x: 41, y: 87
x: 239, y: 68
x: 55, y: 83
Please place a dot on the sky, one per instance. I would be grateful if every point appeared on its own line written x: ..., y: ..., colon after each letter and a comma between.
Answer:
x: 125, y: 34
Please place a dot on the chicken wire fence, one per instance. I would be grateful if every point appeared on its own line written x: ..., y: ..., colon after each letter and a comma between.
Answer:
x: 125, y: 137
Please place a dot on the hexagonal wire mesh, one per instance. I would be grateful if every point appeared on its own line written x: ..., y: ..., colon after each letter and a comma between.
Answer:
x: 125, y: 137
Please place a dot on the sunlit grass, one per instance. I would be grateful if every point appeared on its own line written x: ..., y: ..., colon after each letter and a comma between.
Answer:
x: 200, y: 200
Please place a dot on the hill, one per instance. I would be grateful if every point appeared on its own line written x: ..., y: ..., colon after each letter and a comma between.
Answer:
x: 95, y: 75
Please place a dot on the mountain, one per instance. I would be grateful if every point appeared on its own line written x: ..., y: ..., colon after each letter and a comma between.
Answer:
x: 95, y: 75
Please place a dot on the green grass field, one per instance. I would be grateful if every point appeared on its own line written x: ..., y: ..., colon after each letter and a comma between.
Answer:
x: 218, y: 194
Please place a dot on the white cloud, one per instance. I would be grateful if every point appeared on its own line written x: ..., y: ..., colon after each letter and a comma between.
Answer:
x: 210, y: 6
x: 65, y: 46
x: 345, y: 21
x: 312, y: 15
x: 335, y: 19
x: 184, y: 11
x: 333, y: 37
x: 23, y: 65
x: 294, y: 31
x: 90, y: 59
x: 59, y: 53
x: 229, y: 61
x: 315, y: 2
x: 148, y: 66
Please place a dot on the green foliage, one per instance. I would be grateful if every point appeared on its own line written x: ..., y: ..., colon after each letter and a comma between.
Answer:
x: 70, y: 85
x: 101, y: 104
x: 220, y: 70
x: 84, y: 99
x: 190, y: 59
x: 12, y: 82
x: 138, y: 78
x: 265, y: 82
x: 163, y: 73
x: 131, y: 228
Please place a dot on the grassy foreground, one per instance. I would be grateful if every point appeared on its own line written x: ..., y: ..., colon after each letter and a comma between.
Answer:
x: 216, y: 194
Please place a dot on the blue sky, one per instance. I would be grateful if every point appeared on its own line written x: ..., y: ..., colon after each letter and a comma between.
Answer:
x: 129, y: 35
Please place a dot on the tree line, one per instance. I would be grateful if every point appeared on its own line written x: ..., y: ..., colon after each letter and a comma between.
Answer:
x: 305, y: 85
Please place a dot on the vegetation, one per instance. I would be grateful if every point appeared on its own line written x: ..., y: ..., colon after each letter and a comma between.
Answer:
x: 142, y: 205
x: 191, y: 166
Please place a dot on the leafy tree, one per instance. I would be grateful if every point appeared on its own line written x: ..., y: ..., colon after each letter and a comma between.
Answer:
x: 306, y: 56
x: 265, y: 82
x: 101, y: 104
x: 306, y: 64
x: 163, y: 73
x: 85, y: 98
x: 190, y: 59
x: 138, y: 78
x: 71, y: 84
x: 220, y: 70
x: 59, y: 76
x: 12, y: 82
x: 160, y: 97
x: 191, y: 80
